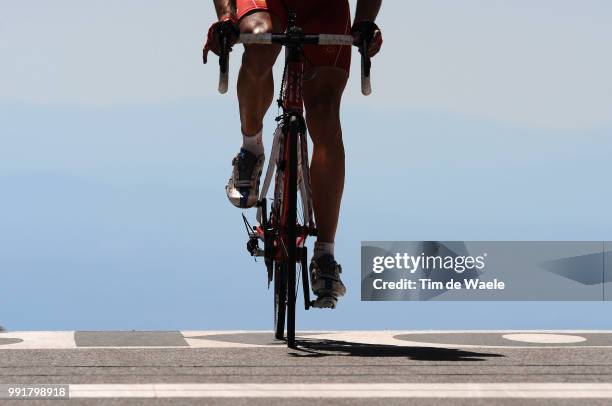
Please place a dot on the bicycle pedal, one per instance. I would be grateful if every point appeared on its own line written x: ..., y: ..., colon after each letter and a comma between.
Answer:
x: 325, y: 302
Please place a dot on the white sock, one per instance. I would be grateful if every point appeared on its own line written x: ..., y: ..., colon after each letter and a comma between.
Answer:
x: 253, y: 143
x: 322, y: 248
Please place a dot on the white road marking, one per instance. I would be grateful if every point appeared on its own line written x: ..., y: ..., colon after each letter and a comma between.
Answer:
x: 39, y: 340
x: 195, y: 339
x: 341, y: 390
x: 387, y: 337
x: 206, y: 339
x: 544, y: 338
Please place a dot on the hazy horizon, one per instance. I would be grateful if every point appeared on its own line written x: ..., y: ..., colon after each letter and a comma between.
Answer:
x: 489, y: 120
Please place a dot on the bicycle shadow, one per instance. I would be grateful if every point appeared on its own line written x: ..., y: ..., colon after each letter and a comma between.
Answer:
x: 324, y: 348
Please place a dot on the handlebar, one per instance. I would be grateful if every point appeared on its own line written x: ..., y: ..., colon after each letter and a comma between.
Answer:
x: 288, y: 39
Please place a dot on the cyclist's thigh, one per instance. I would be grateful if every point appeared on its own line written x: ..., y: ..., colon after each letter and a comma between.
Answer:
x: 259, y: 17
x: 326, y: 17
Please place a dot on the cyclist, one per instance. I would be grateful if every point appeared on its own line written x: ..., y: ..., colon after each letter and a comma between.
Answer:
x: 325, y: 76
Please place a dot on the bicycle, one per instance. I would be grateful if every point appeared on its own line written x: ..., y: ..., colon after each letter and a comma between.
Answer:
x: 284, y: 229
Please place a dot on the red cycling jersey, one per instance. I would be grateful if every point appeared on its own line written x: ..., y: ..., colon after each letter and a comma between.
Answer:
x: 314, y: 17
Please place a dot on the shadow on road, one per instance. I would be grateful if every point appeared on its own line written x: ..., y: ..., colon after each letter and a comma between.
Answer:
x: 324, y: 348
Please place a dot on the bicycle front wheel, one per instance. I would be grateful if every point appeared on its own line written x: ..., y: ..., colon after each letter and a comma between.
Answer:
x: 284, y: 220
x: 291, y: 225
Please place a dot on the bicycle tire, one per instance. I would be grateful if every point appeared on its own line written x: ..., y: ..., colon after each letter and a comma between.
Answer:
x: 280, y: 300
x: 279, y: 218
x: 285, y: 215
x: 291, y: 226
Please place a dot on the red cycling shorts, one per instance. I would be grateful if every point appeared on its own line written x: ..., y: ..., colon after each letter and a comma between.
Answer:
x: 314, y: 17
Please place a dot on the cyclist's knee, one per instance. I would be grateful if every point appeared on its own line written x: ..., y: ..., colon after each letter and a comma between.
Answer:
x: 258, y: 60
x: 323, y: 110
x: 257, y: 22
x: 322, y: 96
x: 323, y: 119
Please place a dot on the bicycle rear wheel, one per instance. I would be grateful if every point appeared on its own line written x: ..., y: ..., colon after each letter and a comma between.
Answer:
x: 280, y: 300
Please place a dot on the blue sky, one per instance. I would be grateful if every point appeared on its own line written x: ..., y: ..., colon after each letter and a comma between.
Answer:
x: 489, y: 120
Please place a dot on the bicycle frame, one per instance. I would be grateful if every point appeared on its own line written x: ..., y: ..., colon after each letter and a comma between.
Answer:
x: 290, y: 235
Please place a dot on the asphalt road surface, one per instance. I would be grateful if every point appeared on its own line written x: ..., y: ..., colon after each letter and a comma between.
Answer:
x: 347, y: 368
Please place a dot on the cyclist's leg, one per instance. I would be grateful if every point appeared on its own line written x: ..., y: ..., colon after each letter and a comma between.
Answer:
x: 322, y: 96
x: 255, y: 93
x: 325, y: 79
x: 255, y: 83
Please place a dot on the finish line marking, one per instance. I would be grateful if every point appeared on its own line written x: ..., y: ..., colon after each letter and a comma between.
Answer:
x: 341, y: 390
x: 209, y: 339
